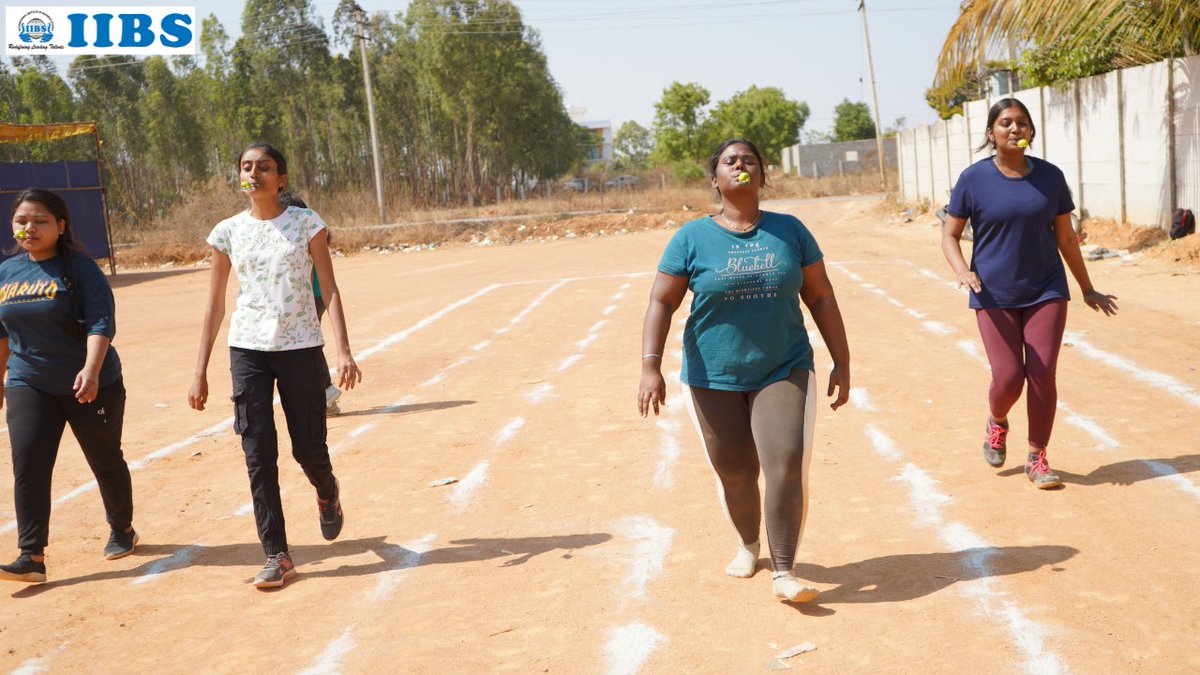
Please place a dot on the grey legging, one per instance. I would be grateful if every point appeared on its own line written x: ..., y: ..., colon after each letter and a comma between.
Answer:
x: 772, y: 428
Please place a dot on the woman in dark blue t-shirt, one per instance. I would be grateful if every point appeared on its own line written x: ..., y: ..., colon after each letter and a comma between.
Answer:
x: 56, y: 323
x: 1020, y: 209
x: 747, y: 374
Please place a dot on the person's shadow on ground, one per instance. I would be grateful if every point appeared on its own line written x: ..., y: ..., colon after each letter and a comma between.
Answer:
x: 321, y: 560
x: 1126, y: 472
x: 897, y: 578
x: 404, y: 409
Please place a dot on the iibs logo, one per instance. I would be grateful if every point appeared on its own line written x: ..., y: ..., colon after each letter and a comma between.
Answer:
x: 101, y: 30
x: 36, y: 27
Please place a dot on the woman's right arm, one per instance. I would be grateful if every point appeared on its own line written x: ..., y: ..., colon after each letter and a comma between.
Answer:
x: 952, y: 249
x: 665, y: 297
x: 214, y: 314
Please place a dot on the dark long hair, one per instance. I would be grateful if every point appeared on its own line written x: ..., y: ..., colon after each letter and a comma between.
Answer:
x: 66, y: 244
x: 994, y: 112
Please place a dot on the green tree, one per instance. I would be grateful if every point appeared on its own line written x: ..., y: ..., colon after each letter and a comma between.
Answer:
x: 1070, y: 38
x: 633, y: 144
x: 852, y: 122
x: 679, y: 124
x: 764, y: 116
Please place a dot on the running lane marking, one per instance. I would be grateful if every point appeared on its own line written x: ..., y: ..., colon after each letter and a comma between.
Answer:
x: 629, y: 647
x: 228, y: 422
x: 652, y: 542
x: 466, y: 488
x: 133, y: 466
x: 1028, y: 635
x: 927, y: 503
x: 388, y: 581
x: 330, y: 660
x: 1089, y: 426
x: 399, y: 336
x: 530, y: 307
x: 1167, y: 383
x: 509, y: 431
x: 39, y: 664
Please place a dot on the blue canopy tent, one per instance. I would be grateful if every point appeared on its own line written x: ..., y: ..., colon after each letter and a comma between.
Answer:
x: 78, y: 183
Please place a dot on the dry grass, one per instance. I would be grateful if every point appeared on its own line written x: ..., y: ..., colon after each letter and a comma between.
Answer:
x: 178, y: 239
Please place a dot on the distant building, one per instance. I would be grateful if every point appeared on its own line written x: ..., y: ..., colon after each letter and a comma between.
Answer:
x: 602, y: 147
x: 837, y: 159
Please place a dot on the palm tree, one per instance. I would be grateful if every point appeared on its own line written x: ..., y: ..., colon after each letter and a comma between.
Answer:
x: 1120, y: 33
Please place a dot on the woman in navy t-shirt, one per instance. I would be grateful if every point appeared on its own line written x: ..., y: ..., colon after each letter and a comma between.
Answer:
x: 56, y: 323
x: 747, y: 362
x: 1020, y: 209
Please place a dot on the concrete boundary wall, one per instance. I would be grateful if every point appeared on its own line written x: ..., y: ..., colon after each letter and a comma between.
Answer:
x: 1127, y: 141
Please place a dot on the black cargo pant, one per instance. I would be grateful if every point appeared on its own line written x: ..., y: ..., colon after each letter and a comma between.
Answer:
x: 35, y: 427
x: 300, y: 375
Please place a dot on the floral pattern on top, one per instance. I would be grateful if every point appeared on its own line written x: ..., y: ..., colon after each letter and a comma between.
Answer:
x: 275, y: 310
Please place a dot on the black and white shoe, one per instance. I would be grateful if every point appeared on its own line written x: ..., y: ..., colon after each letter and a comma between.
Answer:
x: 120, y: 544
x: 330, y: 511
x: 24, y: 568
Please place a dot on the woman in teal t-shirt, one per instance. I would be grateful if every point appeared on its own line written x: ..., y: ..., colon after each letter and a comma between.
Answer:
x: 747, y: 362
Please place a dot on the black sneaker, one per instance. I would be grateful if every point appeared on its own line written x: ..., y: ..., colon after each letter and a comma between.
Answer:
x: 278, y: 569
x: 330, y: 511
x: 120, y: 544
x: 24, y: 568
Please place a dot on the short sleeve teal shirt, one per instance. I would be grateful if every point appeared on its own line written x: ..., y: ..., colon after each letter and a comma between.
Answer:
x: 745, y: 330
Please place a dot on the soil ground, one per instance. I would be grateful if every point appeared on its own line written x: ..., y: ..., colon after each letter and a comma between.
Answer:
x: 581, y: 538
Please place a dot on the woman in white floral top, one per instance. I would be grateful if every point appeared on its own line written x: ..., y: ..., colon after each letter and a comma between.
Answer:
x: 275, y: 339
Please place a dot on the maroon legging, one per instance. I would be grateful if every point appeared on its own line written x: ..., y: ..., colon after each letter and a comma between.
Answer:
x: 1022, y: 345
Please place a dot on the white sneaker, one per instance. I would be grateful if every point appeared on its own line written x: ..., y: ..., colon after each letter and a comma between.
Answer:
x: 788, y: 587
x: 332, y: 394
x: 744, y: 562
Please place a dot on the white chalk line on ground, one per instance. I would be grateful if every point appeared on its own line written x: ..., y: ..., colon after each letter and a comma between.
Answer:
x: 629, y: 647
x: 971, y: 350
x: 228, y: 422
x: 39, y: 664
x: 465, y: 489
x: 1104, y: 440
x: 927, y: 504
x: 388, y: 581
x: 330, y: 660
x: 1161, y: 381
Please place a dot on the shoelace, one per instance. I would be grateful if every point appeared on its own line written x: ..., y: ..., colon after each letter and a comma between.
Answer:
x: 277, y: 560
x: 1039, y: 465
x: 996, y: 435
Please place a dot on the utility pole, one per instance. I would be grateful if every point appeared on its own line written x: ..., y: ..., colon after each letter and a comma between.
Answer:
x: 360, y: 19
x: 862, y: 7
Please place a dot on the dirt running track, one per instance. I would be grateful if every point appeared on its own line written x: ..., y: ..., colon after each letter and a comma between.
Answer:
x: 582, y: 539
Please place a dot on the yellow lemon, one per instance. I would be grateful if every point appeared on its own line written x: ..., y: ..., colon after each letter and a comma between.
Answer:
x: 21, y: 235
x: 246, y: 186
x: 743, y: 178
x: 1022, y: 143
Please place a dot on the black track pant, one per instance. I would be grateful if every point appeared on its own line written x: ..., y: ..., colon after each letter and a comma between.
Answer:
x: 300, y: 375
x: 35, y: 426
x: 770, y: 428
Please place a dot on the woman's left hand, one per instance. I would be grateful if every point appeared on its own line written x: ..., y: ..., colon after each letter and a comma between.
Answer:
x: 1100, y: 302
x: 86, y: 386
x: 839, y: 377
x: 348, y: 373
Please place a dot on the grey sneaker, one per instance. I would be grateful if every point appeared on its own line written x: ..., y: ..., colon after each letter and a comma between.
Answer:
x: 278, y: 569
x: 994, y: 443
x: 332, y: 394
x: 1039, y: 473
x: 120, y: 544
x: 24, y: 568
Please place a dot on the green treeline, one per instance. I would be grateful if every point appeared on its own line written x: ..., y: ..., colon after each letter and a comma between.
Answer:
x: 465, y: 104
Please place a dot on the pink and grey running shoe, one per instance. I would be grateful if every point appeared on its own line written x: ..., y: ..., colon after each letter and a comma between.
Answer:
x: 1039, y: 473
x: 994, y: 446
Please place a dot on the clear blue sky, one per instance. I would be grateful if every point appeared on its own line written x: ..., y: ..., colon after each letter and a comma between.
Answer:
x: 614, y: 57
